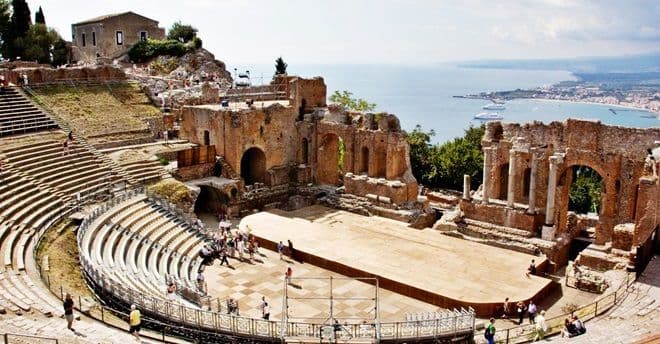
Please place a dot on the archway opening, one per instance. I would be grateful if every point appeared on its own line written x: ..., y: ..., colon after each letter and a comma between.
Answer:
x: 330, y: 155
x: 585, y: 194
x: 364, y: 160
x: 211, y: 200
x: 503, y: 182
x: 527, y: 177
x: 305, y: 151
x: 253, y: 166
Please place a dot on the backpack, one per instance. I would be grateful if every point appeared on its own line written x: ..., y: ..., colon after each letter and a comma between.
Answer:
x: 488, y: 334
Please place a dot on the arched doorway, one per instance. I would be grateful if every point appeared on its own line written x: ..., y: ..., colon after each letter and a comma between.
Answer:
x: 502, y: 182
x: 582, y: 191
x: 330, y: 160
x: 210, y: 200
x: 253, y: 166
x: 305, y: 151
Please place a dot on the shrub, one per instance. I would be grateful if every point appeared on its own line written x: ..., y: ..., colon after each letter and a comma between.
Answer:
x: 151, y: 48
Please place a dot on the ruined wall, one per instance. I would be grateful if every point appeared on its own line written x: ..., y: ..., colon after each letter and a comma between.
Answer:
x: 307, y: 94
x: 55, y: 75
x: 648, y: 209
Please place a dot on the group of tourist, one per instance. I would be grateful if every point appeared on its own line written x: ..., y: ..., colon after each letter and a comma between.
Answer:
x: 573, y: 326
x: 228, y: 244
x: 134, y: 317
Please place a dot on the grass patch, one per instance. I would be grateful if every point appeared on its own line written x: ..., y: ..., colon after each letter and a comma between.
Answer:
x: 100, y: 109
x: 59, y: 243
x: 172, y: 190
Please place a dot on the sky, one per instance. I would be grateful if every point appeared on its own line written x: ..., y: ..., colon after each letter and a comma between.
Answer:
x: 406, y: 32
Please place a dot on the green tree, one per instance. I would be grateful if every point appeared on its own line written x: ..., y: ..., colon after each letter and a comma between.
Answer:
x: 585, y: 191
x: 39, y: 43
x: 5, y: 21
x: 14, y: 33
x: 444, y: 165
x: 182, y: 32
x: 39, y: 17
x: 60, y: 53
x: 345, y: 99
x: 280, y: 66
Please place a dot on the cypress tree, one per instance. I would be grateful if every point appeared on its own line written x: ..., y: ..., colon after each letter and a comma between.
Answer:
x: 39, y: 17
x: 14, y: 37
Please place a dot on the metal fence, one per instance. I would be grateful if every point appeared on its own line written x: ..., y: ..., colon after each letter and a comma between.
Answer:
x: 180, y: 317
x: 526, y: 333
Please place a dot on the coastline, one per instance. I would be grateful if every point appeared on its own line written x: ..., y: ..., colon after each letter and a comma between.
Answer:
x: 625, y: 107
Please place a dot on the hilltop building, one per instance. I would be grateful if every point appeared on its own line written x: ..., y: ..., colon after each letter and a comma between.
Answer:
x: 111, y: 35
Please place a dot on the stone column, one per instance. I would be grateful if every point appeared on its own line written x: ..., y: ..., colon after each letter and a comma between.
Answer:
x: 510, y: 191
x: 548, y: 232
x: 486, y: 181
x: 531, y: 208
x: 466, y: 187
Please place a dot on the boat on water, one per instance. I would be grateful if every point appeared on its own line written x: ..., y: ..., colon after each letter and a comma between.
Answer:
x: 488, y: 116
x: 493, y: 106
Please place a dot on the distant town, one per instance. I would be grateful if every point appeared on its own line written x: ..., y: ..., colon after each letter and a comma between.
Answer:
x: 632, y: 90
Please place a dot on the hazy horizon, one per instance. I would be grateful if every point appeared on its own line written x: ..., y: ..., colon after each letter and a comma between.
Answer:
x: 396, y: 32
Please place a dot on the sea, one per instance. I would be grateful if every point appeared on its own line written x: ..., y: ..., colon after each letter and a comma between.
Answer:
x: 423, y: 95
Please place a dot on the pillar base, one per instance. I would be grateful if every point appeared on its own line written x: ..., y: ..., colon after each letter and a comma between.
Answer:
x: 548, y: 232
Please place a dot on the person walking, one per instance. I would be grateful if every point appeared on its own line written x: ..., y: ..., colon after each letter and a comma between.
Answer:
x: 68, y: 311
x: 288, y: 274
x: 541, y: 326
x: 134, y: 320
x: 489, y: 333
x: 291, y: 251
x: 520, y: 310
x: 280, y: 249
x: 223, y: 257
x: 505, y: 308
x: 200, y: 280
x: 531, y: 310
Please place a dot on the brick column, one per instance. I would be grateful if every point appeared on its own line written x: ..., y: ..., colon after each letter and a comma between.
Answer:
x: 466, y: 187
x: 531, y: 208
x: 552, y: 189
x: 510, y: 191
x: 486, y: 181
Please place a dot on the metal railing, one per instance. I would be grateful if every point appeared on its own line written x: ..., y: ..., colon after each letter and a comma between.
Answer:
x: 526, y: 333
x: 457, y: 322
x: 10, y: 338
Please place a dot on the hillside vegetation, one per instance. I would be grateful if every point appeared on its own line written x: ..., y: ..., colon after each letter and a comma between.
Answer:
x: 96, y: 110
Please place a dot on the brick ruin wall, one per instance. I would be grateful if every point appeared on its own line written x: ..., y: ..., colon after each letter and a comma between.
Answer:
x: 58, y: 75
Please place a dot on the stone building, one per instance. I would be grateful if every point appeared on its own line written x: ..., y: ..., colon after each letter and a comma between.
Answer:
x: 300, y: 140
x: 528, y: 171
x: 111, y: 35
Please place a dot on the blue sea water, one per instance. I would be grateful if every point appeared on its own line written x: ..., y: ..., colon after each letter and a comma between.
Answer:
x: 423, y: 95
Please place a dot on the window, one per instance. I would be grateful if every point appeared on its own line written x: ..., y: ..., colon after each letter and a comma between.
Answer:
x: 83, y: 40
x: 143, y: 35
x: 120, y: 37
x: 93, y: 38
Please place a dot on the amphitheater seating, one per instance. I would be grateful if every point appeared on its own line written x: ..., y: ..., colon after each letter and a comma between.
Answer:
x: 18, y: 115
x: 144, y: 171
x: 138, y: 244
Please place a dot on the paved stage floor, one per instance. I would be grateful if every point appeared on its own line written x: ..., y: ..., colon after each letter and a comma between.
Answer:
x: 420, y: 262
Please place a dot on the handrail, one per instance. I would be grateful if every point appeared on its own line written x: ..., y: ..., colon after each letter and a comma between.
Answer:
x: 447, y: 323
x: 7, y: 336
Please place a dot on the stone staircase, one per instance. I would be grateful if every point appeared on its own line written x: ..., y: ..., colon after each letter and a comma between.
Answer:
x: 19, y: 115
x: 227, y: 170
x: 500, y: 236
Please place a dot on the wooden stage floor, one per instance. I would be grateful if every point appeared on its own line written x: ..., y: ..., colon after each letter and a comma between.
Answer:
x: 423, y: 264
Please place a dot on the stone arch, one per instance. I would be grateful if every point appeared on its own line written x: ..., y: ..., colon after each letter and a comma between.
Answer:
x: 364, y: 160
x: 210, y: 200
x: 253, y: 166
x: 380, y: 162
x: 502, y: 183
x: 329, y: 160
x: 527, y: 177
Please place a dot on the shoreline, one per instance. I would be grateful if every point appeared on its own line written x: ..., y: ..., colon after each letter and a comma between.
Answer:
x: 625, y: 107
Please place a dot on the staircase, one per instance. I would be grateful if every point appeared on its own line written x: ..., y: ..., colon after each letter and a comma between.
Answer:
x: 19, y: 115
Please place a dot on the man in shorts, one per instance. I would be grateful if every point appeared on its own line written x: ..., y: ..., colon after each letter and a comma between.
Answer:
x: 134, y: 322
x: 68, y: 311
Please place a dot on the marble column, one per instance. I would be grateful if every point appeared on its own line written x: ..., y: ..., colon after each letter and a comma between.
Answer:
x: 531, y: 208
x: 466, y: 187
x: 486, y: 181
x: 510, y: 191
x: 555, y: 160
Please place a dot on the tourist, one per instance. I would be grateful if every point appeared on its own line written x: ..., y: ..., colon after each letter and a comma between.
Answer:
x: 251, y: 250
x: 579, y: 326
x: 68, y: 311
x: 70, y: 136
x: 541, y: 326
x: 569, y: 329
x: 232, y: 307
x: 280, y: 249
x: 240, y: 247
x: 266, y: 311
x: 505, y: 308
x: 134, y: 322
x: 223, y: 256
x: 489, y: 333
x: 288, y: 274
x: 531, y: 310
x: 171, y: 292
x: 531, y: 270
x: 25, y: 79
x: 200, y: 280
x: 2, y: 84
x: 65, y: 147
x: 230, y: 245
x: 520, y: 309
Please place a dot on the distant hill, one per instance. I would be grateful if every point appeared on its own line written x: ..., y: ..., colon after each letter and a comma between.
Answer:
x: 616, y: 64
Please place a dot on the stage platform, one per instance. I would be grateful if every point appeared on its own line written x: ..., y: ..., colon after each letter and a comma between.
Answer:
x: 423, y: 264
